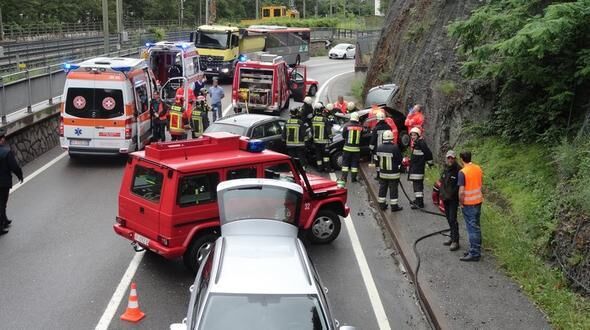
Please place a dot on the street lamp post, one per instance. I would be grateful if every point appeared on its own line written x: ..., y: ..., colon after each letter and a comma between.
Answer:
x: 1, y: 26
x: 105, y: 25
x: 206, y: 11
x: 257, y: 9
x: 119, y: 8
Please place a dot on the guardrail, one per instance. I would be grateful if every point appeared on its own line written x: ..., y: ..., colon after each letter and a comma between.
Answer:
x: 336, y: 34
x: 31, y: 87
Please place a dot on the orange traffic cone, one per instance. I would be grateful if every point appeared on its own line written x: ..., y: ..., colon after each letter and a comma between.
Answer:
x: 133, y: 313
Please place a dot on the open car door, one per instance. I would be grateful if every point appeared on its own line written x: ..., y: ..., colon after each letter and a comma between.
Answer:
x: 297, y: 80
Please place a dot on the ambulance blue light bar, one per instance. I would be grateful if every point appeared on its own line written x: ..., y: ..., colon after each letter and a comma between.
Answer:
x: 121, y: 68
x: 70, y: 66
x: 183, y: 46
x: 255, y: 146
x: 149, y: 44
x: 242, y: 58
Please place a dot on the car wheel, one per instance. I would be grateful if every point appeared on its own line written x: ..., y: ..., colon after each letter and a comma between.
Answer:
x: 336, y: 159
x: 197, y: 251
x: 404, y: 139
x: 325, y: 227
x: 312, y: 90
x: 344, y: 56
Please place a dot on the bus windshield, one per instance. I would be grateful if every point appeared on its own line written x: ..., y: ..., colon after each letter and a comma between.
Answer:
x: 210, y: 39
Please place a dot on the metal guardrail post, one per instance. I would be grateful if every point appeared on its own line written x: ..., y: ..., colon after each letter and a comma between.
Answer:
x: 29, y: 91
x: 3, y: 101
x: 50, y: 86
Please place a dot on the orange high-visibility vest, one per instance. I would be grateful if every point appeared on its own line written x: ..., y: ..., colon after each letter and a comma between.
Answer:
x: 472, y: 194
x: 176, y: 126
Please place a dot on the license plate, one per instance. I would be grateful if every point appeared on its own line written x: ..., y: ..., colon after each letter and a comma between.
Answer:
x: 79, y: 142
x: 141, y: 239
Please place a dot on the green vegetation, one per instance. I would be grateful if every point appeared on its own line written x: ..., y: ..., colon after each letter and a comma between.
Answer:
x: 522, y: 198
x: 159, y: 33
x: 447, y: 87
x: 356, y: 89
x: 539, y: 53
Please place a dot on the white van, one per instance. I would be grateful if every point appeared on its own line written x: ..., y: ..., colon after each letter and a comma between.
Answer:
x: 106, y: 106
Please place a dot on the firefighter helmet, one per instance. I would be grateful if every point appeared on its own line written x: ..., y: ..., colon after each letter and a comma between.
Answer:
x: 354, y: 116
x: 307, y: 100
x: 416, y: 130
x: 380, y: 115
x: 294, y: 112
x: 387, y: 136
x: 329, y: 107
x: 351, y: 105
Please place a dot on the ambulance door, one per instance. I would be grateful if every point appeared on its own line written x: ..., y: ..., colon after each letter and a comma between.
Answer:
x: 109, y: 114
x: 142, y: 114
x: 78, y: 116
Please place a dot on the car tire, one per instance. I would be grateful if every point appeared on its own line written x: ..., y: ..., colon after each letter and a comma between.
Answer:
x: 404, y: 139
x: 325, y: 227
x: 197, y: 251
x: 312, y: 90
x: 336, y: 160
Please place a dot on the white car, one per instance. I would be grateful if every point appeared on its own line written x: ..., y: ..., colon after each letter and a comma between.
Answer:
x: 342, y: 51
x: 258, y: 275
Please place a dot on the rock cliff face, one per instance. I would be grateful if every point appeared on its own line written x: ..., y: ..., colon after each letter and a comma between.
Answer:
x: 416, y: 53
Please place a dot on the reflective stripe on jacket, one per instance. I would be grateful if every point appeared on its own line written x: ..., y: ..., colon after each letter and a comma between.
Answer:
x: 176, y: 121
x: 472, y: 194
x: 352, y: 137
x: 321, y: 130
x: 389, y: 158
x: 421, y: 155
x: 295, y: 133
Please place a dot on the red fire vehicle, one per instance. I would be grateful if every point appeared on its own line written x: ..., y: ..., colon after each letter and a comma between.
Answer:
x: 266, y: 83
x: 168, y: 204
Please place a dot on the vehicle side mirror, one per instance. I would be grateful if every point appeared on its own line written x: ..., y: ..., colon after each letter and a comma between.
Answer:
x: 181, y: 326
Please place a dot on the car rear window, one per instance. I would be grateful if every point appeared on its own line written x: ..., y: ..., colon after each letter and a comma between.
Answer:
x: 94, y: 103
x: 220, y: 127
x: 147, y: 183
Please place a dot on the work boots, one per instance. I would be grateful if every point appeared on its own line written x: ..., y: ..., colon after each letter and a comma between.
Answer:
x: 454, y: 246
x: 353, y: 177
x: 396, y: 208
x: 448, y: 242
x: 383, y: 206
x: 418, y: 203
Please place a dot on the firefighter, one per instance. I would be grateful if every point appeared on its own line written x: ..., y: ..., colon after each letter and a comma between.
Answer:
x: 377, y: 137
x: 421, y: 156
x: 389, y: 160
x: 307, y: 110
x: 351, y: 133
x: 199, y: 117
x: 160, y: 113
x: 177, y: 119
x: 351, y: 107
x: 322, y: 130
x: 296, y: 134
x: 340, y: 105
x: 415, y: 118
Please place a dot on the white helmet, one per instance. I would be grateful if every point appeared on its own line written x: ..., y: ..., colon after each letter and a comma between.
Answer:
x: 354, y: 116
x: 307, y: 100
x: 387, y: 136
x: 318, y: 105
x: 329, y: 107
x: 416, y: 130
x: 380, y: 115
x: 351, y: 105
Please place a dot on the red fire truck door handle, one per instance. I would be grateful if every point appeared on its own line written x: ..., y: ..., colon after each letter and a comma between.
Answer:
x: 141, y: 210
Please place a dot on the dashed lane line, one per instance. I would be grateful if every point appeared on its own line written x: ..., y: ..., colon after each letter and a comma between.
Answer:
x: 366, y: 274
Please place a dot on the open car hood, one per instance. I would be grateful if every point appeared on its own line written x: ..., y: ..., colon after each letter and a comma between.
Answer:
x: 318, y: 183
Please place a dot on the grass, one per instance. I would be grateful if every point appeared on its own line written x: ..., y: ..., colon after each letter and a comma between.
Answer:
x: 356, y: 89
x: 517, y: 221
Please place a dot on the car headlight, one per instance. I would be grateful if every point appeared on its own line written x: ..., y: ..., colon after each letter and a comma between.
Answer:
x: 225, y: 70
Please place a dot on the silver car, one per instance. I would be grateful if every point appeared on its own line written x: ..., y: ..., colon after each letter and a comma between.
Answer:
x: 258, y: 275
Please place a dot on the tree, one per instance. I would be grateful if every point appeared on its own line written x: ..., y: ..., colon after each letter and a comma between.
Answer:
x: 539, y: 53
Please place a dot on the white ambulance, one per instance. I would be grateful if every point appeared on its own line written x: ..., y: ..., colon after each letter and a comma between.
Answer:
x: 106, y: 106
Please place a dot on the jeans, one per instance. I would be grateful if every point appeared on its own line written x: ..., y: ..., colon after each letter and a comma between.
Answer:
x: 217, y: 111
x: 471, y: 214
x: 451, y: 207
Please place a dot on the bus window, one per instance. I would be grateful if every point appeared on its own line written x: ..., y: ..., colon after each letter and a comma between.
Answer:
x: 266, y: 12
x: 277, y: 12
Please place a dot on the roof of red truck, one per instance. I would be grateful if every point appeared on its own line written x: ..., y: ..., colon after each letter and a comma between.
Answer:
x: 212, y: 150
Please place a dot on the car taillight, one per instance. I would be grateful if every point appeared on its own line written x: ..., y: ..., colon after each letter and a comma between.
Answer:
x: 121, y: 221
x: 128, y: 128
x: 61, y: 126
x: 163, y: 240
x: 235, y: 94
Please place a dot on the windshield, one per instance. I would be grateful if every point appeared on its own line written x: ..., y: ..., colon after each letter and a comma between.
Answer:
x: 263, y: 312
x: 259, y: 202
x: 219, y: 127
x: 341, y: 46
x: 95, y: 103
x: 217, y: 40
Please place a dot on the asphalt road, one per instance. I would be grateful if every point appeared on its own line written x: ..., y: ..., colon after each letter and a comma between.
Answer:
x: 61, y: 262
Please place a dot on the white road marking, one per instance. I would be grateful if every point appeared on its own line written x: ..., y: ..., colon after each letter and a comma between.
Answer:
x: 115, y: 301
x: 370, y: 285
x: 37, y: 172
x: 324, y: 85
